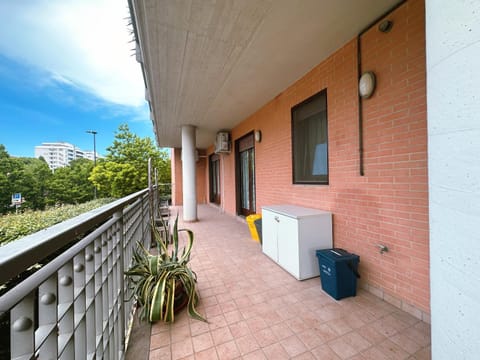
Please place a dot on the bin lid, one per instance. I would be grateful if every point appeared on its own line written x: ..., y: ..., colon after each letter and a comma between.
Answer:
x: 336, y: 254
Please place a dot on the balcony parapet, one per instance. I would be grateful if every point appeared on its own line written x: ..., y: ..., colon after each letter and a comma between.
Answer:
x: 19, y: 255
x: 77, y: 304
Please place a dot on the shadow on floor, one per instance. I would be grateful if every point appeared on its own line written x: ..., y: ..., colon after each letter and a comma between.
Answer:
x: 139, y: 343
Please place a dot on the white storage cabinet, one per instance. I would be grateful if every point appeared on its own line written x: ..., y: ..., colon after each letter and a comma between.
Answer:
x: 291, y: 235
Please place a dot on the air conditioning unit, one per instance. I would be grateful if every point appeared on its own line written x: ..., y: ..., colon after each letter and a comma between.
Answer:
x: 222, y: 142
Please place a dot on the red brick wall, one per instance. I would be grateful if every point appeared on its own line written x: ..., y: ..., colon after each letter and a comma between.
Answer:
x: 389, y: 205
x: 396, y: 157
x: 177, y: 179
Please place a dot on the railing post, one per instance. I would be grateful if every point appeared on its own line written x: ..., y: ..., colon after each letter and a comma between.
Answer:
x: 47, y: 317
x: 150, y: 197
x: 91, y: 295
x: 121, y: 278
x: 22, y: 328
x: 143, y: 218
x: 66, y: 323
x: 80, y: 300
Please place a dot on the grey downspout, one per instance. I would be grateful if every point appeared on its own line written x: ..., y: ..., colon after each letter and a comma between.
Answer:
x: 359, y: 73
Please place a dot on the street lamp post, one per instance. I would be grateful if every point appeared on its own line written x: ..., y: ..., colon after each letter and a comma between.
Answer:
x: 94, y: 157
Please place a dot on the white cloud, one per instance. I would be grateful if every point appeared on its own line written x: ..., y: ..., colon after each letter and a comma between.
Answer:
x: 81, y: 42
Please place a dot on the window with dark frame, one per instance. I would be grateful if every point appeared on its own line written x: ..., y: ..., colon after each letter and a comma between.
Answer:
x: 310, y: 140
x: 215, y: 196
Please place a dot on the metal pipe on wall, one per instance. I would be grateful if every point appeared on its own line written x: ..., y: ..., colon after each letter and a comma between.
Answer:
x: 359, y: 74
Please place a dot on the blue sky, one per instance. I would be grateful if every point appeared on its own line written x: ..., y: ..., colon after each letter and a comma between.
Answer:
x: 67, y: 67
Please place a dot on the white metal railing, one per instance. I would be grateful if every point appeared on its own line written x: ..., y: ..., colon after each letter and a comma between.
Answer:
x: 76, y: 306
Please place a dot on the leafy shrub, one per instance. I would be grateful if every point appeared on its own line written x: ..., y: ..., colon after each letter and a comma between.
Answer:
x: 15, y: 226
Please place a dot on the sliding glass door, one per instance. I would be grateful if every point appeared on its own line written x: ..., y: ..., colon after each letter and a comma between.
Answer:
x: 215, y: 196
x: 245, y: 155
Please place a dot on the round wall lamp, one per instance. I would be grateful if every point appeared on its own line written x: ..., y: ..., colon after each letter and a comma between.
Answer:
x: 385, y: 26
x: 258, y: 135
x: 366, y: 85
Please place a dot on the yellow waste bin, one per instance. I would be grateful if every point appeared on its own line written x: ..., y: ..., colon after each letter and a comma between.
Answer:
x: 251, y: 225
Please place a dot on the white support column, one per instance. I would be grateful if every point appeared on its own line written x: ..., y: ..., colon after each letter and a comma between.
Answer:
x: 453, y: 100
x: 189, y: 173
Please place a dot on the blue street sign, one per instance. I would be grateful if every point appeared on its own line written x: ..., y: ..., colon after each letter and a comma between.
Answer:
x: 17, y: 198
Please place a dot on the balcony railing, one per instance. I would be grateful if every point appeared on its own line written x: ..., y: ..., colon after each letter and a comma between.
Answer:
x: 77, y: 304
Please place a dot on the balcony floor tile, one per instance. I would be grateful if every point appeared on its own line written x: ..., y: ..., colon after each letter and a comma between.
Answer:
x: 256, y: 310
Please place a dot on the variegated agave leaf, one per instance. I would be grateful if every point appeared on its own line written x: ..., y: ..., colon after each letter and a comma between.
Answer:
x: 154, y: 277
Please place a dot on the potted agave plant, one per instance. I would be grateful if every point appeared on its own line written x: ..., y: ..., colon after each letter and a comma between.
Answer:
x: 163, y: 283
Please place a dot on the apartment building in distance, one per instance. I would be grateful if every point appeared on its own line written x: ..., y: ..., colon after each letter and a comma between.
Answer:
x: 60, y: 154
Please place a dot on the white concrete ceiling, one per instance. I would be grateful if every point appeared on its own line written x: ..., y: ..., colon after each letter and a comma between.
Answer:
x: 212, y: 63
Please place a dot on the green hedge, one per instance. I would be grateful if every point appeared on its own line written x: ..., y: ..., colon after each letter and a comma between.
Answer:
x: 15, y: 226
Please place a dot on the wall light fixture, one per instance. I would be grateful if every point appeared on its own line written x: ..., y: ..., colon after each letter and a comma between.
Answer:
x: 258, y: 135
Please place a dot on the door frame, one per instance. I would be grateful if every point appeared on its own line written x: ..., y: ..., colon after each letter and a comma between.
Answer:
x: 238, y: 191
x: 212, y: 198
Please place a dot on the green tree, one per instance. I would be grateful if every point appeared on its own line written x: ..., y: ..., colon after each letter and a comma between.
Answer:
x: 27, y: 176
x: 70, y: 184
x: 117, y: 179
x: 32, y: 182
x: 6, y: 168
x: 125, y: 167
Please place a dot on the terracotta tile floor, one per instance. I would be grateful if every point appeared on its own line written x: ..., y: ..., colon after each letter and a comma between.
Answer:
x: 256, y: 310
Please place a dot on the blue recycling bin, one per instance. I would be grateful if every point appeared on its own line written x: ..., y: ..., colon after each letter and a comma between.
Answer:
x: 338, y: 272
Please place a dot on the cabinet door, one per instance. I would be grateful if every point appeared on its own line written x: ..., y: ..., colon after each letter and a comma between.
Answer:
x: 288, y: 245
x: 269, y: 234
